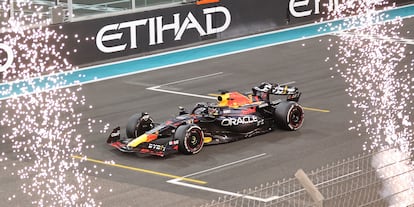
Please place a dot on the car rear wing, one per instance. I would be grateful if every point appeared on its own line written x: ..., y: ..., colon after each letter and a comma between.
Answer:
x: 265, y: 89
x: 293, y: 93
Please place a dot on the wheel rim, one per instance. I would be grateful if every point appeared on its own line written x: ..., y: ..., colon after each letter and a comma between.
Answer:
x: 296, y: 117
x: 195, y: 140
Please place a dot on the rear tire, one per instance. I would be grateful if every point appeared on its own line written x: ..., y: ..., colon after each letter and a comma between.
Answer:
x: 132, y: 126
x: 288, y: 115
x: 191, y: 139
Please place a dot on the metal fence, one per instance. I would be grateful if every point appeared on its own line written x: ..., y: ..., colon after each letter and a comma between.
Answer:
x: 88, y: 8
x: 77, y: 10
x: 372, y: 179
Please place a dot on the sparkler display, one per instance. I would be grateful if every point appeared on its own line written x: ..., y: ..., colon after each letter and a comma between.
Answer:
x: 41, y: 127
x: 370, y: 56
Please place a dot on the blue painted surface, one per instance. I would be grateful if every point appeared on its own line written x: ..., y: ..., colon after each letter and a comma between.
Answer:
x: 132, y: 66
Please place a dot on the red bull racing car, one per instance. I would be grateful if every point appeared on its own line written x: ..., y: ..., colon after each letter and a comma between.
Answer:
x: 233, y: 117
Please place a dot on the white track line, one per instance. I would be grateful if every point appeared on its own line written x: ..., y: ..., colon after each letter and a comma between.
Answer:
x: 176, y: 181
x: 223, y: 166
x: 158, y: 87
x: 191, y: 79
x: 214, y: 190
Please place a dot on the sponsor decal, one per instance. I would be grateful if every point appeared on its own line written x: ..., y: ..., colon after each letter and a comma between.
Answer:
x: 9, y: 59
x: 112, y: 34
x: 232, y: 121
x: 175, y: 142
x: 156, y: 147
x: 304, y: 8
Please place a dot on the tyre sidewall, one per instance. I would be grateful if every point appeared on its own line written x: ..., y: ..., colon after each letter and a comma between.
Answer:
x: 131, y: 128
x: 285, y: 111
x: 191, y: 139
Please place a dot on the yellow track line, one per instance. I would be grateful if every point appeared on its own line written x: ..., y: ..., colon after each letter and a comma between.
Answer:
x: 140, y: 170
x: 318, y: 110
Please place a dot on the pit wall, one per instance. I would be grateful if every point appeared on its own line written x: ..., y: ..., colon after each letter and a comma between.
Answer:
x: 142, y: 33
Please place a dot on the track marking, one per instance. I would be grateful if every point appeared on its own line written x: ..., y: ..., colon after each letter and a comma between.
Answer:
x: 176, y: 181
x: 214, y: 190
x: 140, y: 170
x: 157, y: 88
x: 223, y: 166
x: 191, y: 79
x: 317, y: 110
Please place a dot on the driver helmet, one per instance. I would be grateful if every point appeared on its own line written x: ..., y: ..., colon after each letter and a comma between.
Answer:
x: 145, y: 116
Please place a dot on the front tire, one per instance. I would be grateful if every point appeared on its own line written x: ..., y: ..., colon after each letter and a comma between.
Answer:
x: 289, y: 115
x: 132, y: 128
x: 191, y: 139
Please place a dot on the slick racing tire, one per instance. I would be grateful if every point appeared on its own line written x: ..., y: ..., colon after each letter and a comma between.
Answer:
x: 132, y: 126
x: 191, y: 139
x: 288, y: 115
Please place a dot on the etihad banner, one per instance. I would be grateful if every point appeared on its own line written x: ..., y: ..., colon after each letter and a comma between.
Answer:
x: 118, y: 37
x: 144, y: 32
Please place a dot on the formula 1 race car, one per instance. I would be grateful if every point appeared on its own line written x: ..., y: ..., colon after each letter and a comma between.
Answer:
x: 234, y: 116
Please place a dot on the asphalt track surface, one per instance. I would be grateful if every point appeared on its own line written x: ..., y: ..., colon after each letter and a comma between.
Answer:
x: 324, y: 138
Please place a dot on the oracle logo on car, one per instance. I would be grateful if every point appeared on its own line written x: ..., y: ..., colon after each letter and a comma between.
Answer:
x: 113, y: 33
x: 233, y: 121
x: 306, y: 7
x: 9, y: 59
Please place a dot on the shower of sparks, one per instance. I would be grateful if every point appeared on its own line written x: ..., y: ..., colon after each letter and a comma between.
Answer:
x: 41, y: 127
x: 394, y: 168
x: 370, y: 56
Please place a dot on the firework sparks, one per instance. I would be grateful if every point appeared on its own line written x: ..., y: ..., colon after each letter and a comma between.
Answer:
x: 41, y: 127
x: 370, y: 56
